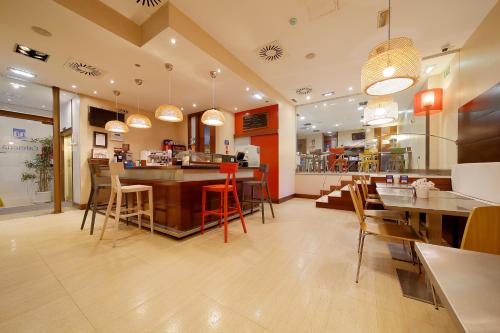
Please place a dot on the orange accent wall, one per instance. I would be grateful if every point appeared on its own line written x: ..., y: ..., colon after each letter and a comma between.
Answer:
x: 268, y: 143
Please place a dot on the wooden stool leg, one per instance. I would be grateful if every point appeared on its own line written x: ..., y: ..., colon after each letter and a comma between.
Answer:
x: 139, y: 209
x: 269, y: 199
x: 108, y: 210
x: 235, y: 193
x: 262, y: 202
x: 203, y: 200
x: 151, y: 210
x: 225, y: 216
x: 94, y: 210
x: 87, y: 208
x: 117, y: 216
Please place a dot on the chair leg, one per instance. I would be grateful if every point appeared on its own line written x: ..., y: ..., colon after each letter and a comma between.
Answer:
x: 238, y: 206
x: 139, y: 209
x: 203, y: 200
x: 108, y: 210
x: 151, y: 210
x: 221, y: 208
x: 94, y: 210
x: 87, y: 208
x: 269, y: 199
x: 117, y: 216
x: 262, y: 203
x: 359, y: 239
x: 360, y: 255
x: 434, y: 298
x: 251, y: 199
x: 125, y: 197
x: 225, y: 216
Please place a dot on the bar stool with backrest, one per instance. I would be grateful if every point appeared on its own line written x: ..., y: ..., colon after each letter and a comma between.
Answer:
x: 387, y: 230
x: 261, y: 185
x: 96, y: 186
x: 224, y: 210
x: 117, y: 189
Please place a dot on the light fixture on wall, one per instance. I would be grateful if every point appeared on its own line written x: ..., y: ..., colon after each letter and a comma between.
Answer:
x: 116, y: 126
x: 138, y: 120
x: 213, y: 117
x: 392, y: 66
x: 381, y: 110
x: 428, y: 101
x: 169, y: 112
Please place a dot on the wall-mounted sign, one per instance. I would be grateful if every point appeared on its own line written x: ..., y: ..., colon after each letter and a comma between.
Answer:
x: 255, y: 121
x: 117, y: 137
x: 19, y: 133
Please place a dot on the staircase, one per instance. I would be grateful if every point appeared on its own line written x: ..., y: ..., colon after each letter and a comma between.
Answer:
x: 338, y: 197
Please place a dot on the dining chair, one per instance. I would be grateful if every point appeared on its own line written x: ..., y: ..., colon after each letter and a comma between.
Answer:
x: 482, y: 231
x: 368, y: 198
x: 392, y: 215
x: 117, y: 189
x: 369, y: 226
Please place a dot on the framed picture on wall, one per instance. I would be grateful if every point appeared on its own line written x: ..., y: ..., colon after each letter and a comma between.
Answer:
x: 100, y: 139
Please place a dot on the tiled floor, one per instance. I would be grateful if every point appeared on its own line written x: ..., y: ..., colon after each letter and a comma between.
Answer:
x: 293, y: 274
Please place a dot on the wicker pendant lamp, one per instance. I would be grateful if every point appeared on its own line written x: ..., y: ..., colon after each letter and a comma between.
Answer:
x: 392, y: 66
x: 381, y: 110
x: 116, y: 126
x: 138, y: 120
x: 169, y: 112
x: 213, y: 117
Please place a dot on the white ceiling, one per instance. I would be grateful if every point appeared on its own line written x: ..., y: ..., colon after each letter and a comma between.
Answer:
x: 76, y: 37
x: 341, y: 39
x: 132, y: 10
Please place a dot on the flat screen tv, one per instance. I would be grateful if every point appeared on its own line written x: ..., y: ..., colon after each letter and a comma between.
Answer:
x: 358, y: 136
x: 479, y: 128
x: 99, y: 117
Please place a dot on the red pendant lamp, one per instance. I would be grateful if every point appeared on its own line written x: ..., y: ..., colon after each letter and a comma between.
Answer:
x: 428, y: 101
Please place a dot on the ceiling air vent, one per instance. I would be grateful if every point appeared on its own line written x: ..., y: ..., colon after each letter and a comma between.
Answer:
x: 84, y: 68
x: 307, y: 124
x: 304, y: 91
x: 270, y: 52
x: 294, y: 100
x: 365, y: 103
x: 149, y: 3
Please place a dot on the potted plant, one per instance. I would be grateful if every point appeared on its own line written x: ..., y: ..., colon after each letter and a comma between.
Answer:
x: 40, y: 170
x: 422, y: 187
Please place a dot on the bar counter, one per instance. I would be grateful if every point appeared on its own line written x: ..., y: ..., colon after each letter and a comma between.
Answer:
x: 177, y: 195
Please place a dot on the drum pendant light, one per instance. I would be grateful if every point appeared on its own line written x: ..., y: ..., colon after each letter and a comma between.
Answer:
x: 138, y: 120
x: 116, y: 126
x: 392, y: 66
x: 169, y: 112
x: 381, y: 110
x: 213, y: 117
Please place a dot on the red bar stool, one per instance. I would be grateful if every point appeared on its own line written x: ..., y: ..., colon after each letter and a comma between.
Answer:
x: 224, y: 189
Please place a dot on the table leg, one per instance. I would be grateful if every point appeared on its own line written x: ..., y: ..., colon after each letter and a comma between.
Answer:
x: 434, y: 224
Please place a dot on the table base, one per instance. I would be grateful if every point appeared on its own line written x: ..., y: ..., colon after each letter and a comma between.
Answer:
x: 398, y: 252
x: 413, y: 286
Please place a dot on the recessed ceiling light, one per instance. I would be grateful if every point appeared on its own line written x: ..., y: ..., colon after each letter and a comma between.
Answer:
x: 328, y: 94
x: 351, y: 100
x: 194, y: 105
x: 313, y: 126
x: 235, y: 109
x: 95, y: 92
x: 337, y: 125
x: 257, y: 96
x: 324, y: 104
x: 73, y: 86
x: 350, y: 88
x: 173, y: 41
x: 11, y: 143
x: 21, y: 72
x: 247, y: 88
x: 112, y: 81
x: 17, y: 85
x: 316, y: 106
x: 32, y: 53
x: 302, y: 118
x: 360, y: 108
x: 308, y: 97
x: 182, y: 108
x: 218, y: 70
x: 9, y: 100
x: 429, y: 69
x: 329, y: 132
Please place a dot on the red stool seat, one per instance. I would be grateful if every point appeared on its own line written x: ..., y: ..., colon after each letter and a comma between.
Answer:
x: 224, y: 189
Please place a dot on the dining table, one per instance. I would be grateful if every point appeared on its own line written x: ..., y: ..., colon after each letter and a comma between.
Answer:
x: 466, y: 282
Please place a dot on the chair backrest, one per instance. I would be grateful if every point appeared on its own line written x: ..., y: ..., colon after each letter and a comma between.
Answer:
x: 230, y: 169
x: 358, y: 207
x: 482, y: 232
x: 96, y: 173
x: 364, y: 187
x: 358, y: 193
x: 116, y: 169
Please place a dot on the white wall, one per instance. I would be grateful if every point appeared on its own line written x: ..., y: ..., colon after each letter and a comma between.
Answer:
x: 12, y: 156
x: 312, y: 184
x: 287, y: 143
x: 225, y: 132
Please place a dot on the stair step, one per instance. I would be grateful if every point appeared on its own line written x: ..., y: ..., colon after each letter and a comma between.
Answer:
x: 336, y: 194
x: 322, y: 199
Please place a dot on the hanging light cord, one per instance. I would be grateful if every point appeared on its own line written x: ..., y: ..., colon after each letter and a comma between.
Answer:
x: 169, y: 88
x: 213, y: 93
x: 389, y: 35
x: 116, y: 106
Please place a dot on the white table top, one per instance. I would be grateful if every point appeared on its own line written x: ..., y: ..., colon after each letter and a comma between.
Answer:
x: 468, y: 284
x: 439, y: 202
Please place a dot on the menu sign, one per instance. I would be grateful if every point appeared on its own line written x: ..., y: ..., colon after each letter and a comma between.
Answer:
x: 254, y: 121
